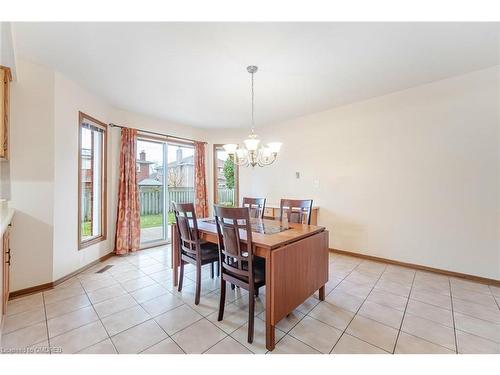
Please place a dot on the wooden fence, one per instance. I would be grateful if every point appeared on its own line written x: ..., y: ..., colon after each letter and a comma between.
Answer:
x: 86, y: 209
x: 226, y: 196
x: 151, y: 199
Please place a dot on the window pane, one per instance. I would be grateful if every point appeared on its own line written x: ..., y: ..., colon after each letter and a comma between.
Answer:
x: 92, y: 138
x: 226, y: 179
x: 150, y: 178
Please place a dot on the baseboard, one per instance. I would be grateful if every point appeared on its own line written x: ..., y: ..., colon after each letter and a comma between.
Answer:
x: 1, y: 327
x: 477, y: 279
x: 51, y: 285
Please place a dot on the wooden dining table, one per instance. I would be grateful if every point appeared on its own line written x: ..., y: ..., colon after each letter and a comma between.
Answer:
x: 296, y: 257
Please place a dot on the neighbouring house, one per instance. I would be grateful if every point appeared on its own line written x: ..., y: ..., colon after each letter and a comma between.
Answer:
x: 181, y: 171
x: 143, y: 167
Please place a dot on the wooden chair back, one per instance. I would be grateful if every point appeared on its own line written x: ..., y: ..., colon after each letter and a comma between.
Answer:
x: 235, y: 256
x: 296, y: 210
x: 187, y: 228
x: 256, y: 206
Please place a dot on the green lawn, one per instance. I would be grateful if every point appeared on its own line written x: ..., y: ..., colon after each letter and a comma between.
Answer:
x: 147, y: 221
x: 151, y: 221
x: 86, y: 229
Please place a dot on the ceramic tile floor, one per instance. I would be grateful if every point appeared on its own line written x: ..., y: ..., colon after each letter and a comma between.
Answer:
x: 370, y: 308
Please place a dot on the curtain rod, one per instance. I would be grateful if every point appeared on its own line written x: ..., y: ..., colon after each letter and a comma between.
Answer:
x: 159, y: 134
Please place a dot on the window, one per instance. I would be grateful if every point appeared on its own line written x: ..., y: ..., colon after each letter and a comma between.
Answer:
x: 91, y: 181
x: 225, y: 178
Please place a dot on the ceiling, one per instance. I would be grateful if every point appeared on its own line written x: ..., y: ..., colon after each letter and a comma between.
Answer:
x: 195, y: 73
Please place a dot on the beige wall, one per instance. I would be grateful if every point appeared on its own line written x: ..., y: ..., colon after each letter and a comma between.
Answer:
x: 32, y: 175
x: 412, y: 176
x: 69, y: 100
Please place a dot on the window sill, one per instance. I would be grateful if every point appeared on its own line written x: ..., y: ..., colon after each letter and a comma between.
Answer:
x: 93, y: 241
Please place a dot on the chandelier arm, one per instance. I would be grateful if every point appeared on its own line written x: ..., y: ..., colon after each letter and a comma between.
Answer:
x: 267, y: 161
x: 239, y: 162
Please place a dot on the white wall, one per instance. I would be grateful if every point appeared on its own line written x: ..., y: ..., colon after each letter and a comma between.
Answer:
x: 412, y: 176
x: 32, y: 175
x: 69, y: 100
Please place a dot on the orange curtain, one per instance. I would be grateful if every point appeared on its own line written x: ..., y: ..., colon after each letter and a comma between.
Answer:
x: 128, y: 214
x: 200, y: 203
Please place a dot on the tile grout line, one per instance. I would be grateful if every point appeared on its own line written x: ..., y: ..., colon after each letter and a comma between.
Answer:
x: 335, y: 287
x: 404, y: 313
x: 168, y: 336
x: 451, y: 311
x: 138, y: 304
x: 227, y: 335
x: 359, y: 308
x: 453, y: 317
x: 426, y: 319
x: 79, y: 282
x: 307, y: 314
x: 343, y: 331
x: 98, y: 317
x: 46, y: 323
x: 357, y: 311
x: 495, y: 298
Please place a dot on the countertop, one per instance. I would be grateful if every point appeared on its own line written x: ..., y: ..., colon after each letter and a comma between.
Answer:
x: 6, y: 215
x: 278, y: 206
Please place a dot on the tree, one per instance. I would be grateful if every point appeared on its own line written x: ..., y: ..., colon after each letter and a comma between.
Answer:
x: 175, y: 177
x: 228, y: 171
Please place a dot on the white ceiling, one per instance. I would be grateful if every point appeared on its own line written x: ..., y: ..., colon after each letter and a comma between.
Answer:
x: 195, y: 73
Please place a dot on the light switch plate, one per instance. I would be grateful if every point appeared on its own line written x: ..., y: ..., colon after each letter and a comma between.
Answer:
x: 297, y: 175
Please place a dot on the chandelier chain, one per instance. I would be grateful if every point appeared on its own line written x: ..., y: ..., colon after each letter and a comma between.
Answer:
x: 253, y: 106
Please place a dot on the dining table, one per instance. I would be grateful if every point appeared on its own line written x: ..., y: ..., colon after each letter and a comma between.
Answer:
x: 296, y: 263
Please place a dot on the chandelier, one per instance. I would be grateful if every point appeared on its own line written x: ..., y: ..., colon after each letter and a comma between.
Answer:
x: 252, y: 153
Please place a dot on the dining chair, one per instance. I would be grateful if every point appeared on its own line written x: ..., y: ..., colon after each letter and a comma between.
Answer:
x: 296, y: 210
x: 256, y: 206
x: 237, y: 261
x: 192, y: 249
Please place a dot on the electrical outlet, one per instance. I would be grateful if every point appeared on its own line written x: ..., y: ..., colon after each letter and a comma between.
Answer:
x: 297, y: 175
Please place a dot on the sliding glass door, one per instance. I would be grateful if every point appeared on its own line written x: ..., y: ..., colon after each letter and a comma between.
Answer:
x: 165, y: 174
x: 151, y: 160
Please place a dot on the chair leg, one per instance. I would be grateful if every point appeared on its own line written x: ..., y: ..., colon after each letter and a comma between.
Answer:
x: 181, y: 276
x: 212, y: 270
x: 218, y: 269
x: 198, y: 284
x: 251, y: 310
x: 222, y: 299
x: 232, y: 286
x: 257, y: 292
